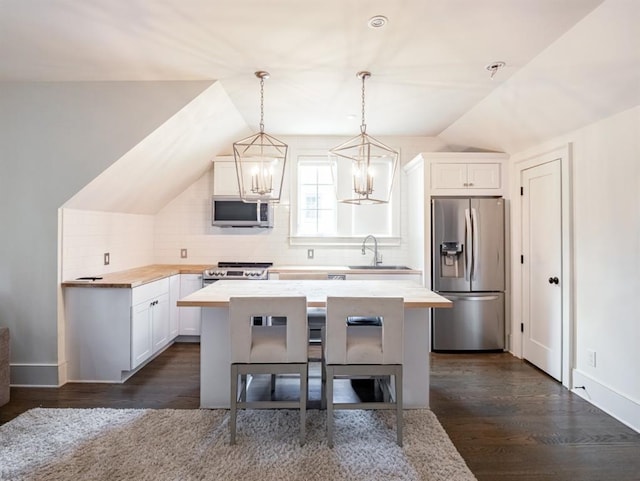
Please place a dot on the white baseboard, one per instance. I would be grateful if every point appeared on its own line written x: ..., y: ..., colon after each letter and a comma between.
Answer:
x: 624, y: 409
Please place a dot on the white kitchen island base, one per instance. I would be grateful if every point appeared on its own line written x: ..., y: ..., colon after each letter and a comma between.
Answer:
x: 215, y: 358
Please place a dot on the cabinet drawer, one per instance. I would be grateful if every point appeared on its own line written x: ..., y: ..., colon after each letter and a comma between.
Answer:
x: 149, y: 291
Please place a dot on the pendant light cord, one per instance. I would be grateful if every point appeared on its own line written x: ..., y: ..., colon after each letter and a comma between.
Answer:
x: 363, y: 125
x: 261, y: 105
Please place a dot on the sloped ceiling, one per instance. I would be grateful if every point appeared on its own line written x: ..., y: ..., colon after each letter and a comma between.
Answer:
x: 168, y: 160
x: 591, y: 72
x: 568, y: 63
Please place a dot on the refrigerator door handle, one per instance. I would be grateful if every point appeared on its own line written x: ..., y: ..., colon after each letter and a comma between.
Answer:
x: 468, y: 256
x: 474, y: 246
x: 482, y: 298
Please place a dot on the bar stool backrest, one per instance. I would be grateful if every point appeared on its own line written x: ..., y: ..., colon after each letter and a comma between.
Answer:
x: 341, y: 339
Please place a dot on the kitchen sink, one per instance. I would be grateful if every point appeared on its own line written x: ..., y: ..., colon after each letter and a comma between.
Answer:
x: 382, y: 267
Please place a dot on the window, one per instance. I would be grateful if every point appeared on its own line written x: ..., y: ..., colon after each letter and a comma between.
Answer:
x: 317, y: 217
x: 317, y: 207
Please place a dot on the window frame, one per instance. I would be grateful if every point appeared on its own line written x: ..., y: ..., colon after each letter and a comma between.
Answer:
x: 344, y: 212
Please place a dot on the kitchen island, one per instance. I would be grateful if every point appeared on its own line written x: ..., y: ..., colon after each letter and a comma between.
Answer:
x: 214, y: 338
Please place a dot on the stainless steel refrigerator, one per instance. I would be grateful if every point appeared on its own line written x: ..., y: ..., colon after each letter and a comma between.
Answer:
x: 468, y: 268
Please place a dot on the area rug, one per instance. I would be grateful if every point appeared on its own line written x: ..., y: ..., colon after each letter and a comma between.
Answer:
x: 166, y: 444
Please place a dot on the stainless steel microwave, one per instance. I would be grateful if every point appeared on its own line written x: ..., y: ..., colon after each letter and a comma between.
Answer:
x: 230, y: 211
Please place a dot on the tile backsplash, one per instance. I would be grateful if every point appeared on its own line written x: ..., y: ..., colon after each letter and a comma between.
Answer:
x: 88, y: 235
x: 186, y: 223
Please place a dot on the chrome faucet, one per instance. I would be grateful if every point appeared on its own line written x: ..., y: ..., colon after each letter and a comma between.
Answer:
x: 377, y: 258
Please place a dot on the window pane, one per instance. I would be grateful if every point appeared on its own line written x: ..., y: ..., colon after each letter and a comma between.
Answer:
x: 319, y: 213
x: 307, y: 222
x: 324, y: 174
x: 326, y: 197
x: 326, y: 222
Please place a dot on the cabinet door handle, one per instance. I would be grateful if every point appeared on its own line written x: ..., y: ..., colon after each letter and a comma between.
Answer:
x: 554, y: 280
x: 470, y: 184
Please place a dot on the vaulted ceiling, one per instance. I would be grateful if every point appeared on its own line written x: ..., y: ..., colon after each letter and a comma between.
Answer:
x: 428, y: 62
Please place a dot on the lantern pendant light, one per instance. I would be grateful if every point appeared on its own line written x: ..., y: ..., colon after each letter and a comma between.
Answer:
x: 366, y: 155
x: 260, y: 161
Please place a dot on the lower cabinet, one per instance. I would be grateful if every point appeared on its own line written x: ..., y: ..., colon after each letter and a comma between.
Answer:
x: 140, y: 334
x: 113, y: 331
x: 149, y: 328
x: 174, y: 310
x: 190, y: 317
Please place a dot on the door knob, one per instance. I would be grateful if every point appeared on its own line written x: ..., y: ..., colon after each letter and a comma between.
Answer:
x: 553, y: 280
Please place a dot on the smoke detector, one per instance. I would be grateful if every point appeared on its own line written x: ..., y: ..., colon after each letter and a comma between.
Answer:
x: 377, y: 21
x: 494, y: 67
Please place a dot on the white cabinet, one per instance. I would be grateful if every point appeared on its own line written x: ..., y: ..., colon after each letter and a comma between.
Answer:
x: 465, y: 176
x: 141, y: 344
x: 160, y: 322
x: 190, y: 316
x: 465, y: 173
x: 149, y: 320
x: 174, y: 310
x: 225, y: 178
x: 111, y: 332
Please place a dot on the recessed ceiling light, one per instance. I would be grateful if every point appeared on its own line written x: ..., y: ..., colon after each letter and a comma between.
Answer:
x: 378, y: 21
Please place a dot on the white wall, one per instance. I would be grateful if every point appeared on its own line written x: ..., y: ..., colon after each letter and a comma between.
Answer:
x: 54, y: 139
x: 186, y: 222
x: 606, y: 260
x: 591, y: 72
x: 87, y: 235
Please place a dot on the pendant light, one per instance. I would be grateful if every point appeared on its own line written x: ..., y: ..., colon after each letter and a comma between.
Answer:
x: 373, y: 165
x: 260, y: 161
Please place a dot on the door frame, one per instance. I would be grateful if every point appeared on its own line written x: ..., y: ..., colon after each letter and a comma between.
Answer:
x: 562, y: 153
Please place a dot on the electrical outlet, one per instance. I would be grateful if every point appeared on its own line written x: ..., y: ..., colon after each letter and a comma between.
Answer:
x: 183, y: 253
x: 591, y: 357
x: 107, y: 258
x: 310, y: 253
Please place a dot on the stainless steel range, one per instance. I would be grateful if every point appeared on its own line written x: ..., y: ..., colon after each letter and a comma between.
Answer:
x: 236, y: 270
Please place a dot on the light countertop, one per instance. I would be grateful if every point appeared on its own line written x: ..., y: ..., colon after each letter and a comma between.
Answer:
x: 316, y: 291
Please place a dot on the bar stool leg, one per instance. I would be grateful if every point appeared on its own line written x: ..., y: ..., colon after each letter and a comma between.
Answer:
x: 233, y: 404
x: 399, y: 403
x: 329, y: 401
x: 304, y: 386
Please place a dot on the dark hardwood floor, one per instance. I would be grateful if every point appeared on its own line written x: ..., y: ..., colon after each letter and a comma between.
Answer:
x: 508, y: 420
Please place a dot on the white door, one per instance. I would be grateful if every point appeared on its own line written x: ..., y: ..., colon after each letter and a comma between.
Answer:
x: 542, y: 265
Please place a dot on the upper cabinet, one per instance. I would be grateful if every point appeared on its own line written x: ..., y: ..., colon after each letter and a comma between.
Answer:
x: 225, y: 179
x: 465, y: 173
x: 465, y: 176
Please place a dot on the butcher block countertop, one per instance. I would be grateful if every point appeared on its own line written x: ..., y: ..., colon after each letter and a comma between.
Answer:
x: 137, y: 276
x: 218, y: 294
x: 143, y: 275
x: 342, y: 270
